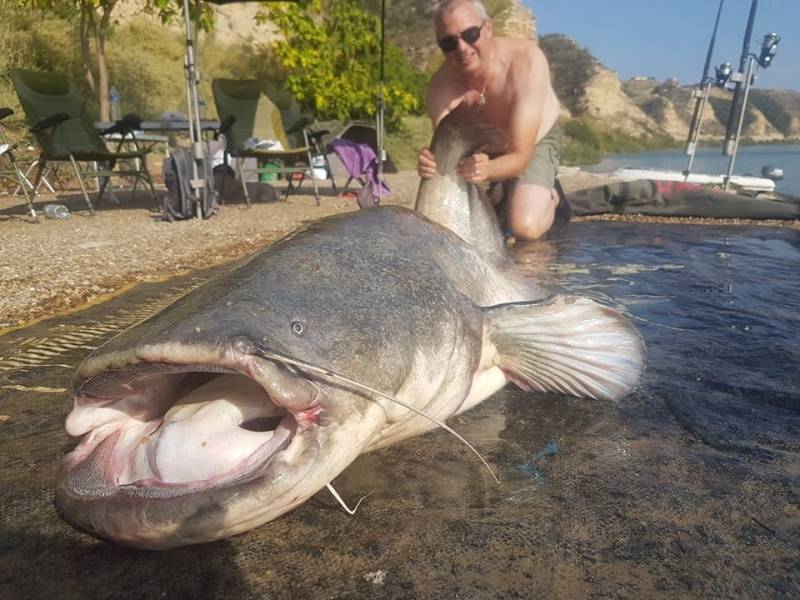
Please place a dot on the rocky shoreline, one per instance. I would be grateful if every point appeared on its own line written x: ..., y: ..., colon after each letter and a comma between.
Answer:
x: 60, y: 265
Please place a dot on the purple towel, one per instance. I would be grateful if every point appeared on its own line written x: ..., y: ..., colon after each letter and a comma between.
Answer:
x: 360, y: 161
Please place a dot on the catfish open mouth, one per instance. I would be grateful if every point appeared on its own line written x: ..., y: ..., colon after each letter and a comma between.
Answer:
x: 182, y: 428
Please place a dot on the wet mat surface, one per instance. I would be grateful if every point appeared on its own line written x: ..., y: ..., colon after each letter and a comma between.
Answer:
x: 688, y: 488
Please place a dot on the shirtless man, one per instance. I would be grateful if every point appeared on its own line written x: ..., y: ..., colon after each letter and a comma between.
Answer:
x: 509, y: 80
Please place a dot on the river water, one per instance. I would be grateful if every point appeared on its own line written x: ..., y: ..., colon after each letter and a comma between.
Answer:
x: 717, y: 307
x: 749, y: 161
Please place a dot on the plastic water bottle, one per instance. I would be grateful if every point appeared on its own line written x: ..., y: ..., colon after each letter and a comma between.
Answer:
x: 318, y: 169
x: 114, y: 108
x: 56, y: 211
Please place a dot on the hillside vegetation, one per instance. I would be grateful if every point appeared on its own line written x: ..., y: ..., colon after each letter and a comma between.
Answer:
x: 600, y: 113
x: 149, y: 78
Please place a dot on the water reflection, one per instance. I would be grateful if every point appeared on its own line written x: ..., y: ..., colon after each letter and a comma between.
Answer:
x: 718, y: 310
x: 535, y: 258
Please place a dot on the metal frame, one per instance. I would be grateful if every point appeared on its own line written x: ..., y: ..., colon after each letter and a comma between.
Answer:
x: 23, y: 182
x: 200, y: 187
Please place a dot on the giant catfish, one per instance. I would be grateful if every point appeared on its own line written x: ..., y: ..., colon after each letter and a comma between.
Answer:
x: 251, y: 393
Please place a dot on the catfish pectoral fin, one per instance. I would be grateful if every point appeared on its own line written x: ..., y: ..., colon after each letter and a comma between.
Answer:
x: 566, y: 344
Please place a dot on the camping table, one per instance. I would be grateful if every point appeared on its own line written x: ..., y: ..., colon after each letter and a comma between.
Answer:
x: 148, y: 132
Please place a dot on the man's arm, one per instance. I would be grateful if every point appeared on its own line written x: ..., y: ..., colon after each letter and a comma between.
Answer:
x: 445, y: 95
x: 441, y: 100
x: 426, y: 162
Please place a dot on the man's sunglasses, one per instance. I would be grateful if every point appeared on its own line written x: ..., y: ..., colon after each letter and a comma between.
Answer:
x: 469, y: 35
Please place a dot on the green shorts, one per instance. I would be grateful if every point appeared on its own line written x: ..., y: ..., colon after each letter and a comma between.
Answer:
x: 543, y: 167
x: 541, y: 170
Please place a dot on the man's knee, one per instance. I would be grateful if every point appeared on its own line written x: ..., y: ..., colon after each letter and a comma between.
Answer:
x: 530, y: 230
x: 532, y: 212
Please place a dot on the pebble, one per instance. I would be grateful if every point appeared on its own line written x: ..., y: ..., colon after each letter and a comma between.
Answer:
x: 57, y: 265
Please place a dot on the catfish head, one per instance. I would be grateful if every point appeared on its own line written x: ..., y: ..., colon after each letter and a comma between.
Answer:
x: 200, y: 422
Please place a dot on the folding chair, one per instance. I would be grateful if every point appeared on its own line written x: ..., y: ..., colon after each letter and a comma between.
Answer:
x: 63, y: 130
x: 7, y: 150
x: 52, y: 169
x: 296, y: 123
x: 247, y: 116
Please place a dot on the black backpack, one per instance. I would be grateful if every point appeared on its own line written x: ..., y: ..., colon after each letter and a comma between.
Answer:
x: 179, y: 200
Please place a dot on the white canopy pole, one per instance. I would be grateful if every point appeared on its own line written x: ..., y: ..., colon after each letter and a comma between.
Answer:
x: 379, y: 112
x: 200, y: 187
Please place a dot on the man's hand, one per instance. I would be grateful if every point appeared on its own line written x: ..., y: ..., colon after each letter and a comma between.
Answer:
x: 475, y: 168
x: 426, y: 164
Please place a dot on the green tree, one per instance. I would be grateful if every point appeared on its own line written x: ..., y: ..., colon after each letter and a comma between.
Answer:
x: 330, y: 54
x: 94, y: 24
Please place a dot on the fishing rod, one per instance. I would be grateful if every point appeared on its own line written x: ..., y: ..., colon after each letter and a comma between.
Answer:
x: 748, y: 65
x: 701, y: 98
x: 737, y: 104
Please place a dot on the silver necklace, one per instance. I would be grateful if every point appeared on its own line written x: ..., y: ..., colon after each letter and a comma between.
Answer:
x: 482, y: 97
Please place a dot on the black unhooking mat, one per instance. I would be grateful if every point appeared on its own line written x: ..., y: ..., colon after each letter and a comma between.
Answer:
x: 687, y: 488
x: 678, y: 199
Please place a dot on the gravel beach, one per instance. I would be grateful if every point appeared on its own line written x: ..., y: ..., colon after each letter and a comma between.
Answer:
x: 57, y: 265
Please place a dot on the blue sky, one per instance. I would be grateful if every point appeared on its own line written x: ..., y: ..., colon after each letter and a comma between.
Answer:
x: 669, y: 38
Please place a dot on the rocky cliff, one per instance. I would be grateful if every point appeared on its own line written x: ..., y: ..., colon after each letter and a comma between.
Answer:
x: 587, y: 89
x: 772, y: 115
x: 645, y: 106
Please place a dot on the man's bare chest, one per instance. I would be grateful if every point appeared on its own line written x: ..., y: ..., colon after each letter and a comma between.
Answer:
x: 496, y: 111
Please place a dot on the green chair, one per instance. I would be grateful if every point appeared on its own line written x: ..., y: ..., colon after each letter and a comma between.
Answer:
x: 247, y: 113
x: 64, y: 132
x: 297, y: 131
x: 15, y: 174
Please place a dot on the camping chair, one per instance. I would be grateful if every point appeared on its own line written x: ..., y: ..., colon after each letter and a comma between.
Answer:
x: 64, y: 132
x: 296, y: 122
x: 7, y: 150
x: 252, y: 123
x: 360, y: 162
x: 51, y: 170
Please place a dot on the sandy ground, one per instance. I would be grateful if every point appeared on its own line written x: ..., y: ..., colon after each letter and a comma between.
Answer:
x: 56, y: 265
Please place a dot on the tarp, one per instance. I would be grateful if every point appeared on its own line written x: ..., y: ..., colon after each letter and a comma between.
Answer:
x: 677, y: 199
x: 688, y: 488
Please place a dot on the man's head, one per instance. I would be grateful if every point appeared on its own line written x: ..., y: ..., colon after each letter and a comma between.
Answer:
x: 463, y: 32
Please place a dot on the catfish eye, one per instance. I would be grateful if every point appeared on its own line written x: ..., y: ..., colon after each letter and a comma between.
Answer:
x: 298, y: 328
